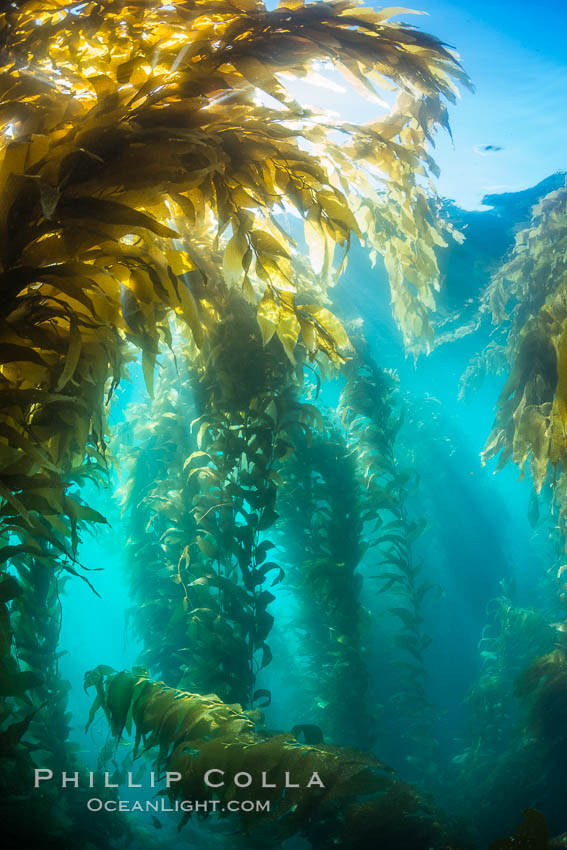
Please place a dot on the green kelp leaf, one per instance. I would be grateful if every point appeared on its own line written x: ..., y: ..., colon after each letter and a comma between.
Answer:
x: 84, y: 513
x: 263, y: 624
x: 268, y: 567
x: 263, y: 549
x: 119, y: 696
x: 148, y: 366
x: 410, y: 644
x: 309, y: 733
x: 266, y: 656
x: 16, y: 684
x: 391, y: 579
x: 10, y: 588
x: 17, y: 506
x: 5, y: 631
x: 207, y: 546
x: 263, y: 694
x: 427, y: 587
x: 92, y: 711
x: 96, y: 676
x: 408, y: 618
x: 267, y: 519
x: 10, y: 737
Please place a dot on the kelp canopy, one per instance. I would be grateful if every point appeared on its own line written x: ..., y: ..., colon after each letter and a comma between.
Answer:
x: 150, y: 158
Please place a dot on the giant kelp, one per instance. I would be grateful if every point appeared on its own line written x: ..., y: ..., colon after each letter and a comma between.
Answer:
x: 372, y: 410
x: 359, y: 800
x: 499, y: 736
x: 527, y: 301
x: 201, y: 498
x: 111, y: 150
x: 321, y: 510
x: 141, y: 179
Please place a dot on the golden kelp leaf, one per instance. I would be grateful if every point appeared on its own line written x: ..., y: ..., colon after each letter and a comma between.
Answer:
x: 189, y: 311
x: 394, y: 11
x: 265, y: 243
x: 338, y: 210
x: 268, y: 315
x: 560, y: 405
x: 528, y: 302
x: 328, y: 323
x: 148, y: 366
x: 288, y: 330
x: 235, y: 250
x: 73, y: 355
x: 113, y: 212
x: 316, y: 240
x: 309, y: 335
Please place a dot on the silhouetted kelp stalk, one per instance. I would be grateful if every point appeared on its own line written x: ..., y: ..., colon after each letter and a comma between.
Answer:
x: 351, y: 799
x: 512, y: 638
x: 505, y: 764
x: 32, y: 689
x: 321, y: 507
x: 159, y: 524
x: 371, y: 410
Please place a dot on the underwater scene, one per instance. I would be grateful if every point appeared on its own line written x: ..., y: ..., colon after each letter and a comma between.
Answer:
x: 283, y: 425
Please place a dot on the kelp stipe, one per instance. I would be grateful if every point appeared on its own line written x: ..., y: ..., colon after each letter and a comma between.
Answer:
x: 372, y: 410
x: 321, y: 509
x: 210, y: 505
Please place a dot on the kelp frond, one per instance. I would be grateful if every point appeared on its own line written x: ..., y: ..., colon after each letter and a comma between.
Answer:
x: 195, y: 733
x: 528, y: 299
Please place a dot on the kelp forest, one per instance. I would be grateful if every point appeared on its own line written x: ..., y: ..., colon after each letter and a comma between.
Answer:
x: 257, y: 590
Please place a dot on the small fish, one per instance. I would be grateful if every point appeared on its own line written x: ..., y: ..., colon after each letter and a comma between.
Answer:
x: 484, y: 149
x: 156, y: 822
